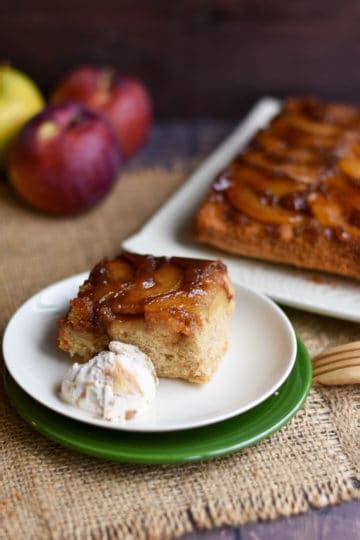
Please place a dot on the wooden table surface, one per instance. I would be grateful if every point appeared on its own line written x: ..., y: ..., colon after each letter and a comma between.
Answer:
x: 176, y: 141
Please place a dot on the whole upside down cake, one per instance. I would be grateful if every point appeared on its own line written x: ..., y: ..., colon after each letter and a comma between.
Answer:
x: 293, y: 195
x: 176, y: 310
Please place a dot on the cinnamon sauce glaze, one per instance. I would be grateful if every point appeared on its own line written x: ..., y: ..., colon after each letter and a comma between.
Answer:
x: 302, y: 172
x: 132, y: 286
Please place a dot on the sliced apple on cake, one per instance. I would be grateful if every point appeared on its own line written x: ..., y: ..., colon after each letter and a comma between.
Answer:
x: 175, y: 309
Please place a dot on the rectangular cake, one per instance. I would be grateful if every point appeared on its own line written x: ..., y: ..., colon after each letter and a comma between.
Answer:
x: 293, y: 195
x: 174, y: 309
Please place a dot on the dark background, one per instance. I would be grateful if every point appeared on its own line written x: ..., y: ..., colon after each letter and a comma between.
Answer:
x: 203, y: 58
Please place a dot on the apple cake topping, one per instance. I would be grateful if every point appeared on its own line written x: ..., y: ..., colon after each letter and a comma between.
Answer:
x: 160, y: 289
x: 303, y: 172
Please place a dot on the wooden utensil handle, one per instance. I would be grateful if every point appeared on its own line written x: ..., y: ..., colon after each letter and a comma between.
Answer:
x: 338, y: 365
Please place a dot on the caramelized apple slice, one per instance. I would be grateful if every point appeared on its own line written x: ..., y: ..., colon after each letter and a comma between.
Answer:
x: 263, y: 183
x: 242, y: 198
x: 355, y: 149
x: 273, y: 145
x: 352, y: 230
x: 178, y: 300
x: 180, y: 311
x: 315, y: 128
x: 166, y: 279
x: 301, y: 172
x: 342, y: 115
x: 104, y: 292
x: 111, y: 278
x: 351, y: 167
x: 345, y: 190
x: 119, y: 271
x: 304, y: 139
x: 326, y: 211
x: 330, y: 214
x: 277, y: 147
x: 114, y: 271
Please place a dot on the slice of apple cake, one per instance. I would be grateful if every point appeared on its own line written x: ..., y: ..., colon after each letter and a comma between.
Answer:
x: 175, y: 309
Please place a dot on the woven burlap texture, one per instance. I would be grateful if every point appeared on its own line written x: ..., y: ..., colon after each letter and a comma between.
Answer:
x: 49, y: 492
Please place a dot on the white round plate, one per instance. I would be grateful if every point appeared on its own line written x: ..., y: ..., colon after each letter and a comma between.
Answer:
x: 261, y: 355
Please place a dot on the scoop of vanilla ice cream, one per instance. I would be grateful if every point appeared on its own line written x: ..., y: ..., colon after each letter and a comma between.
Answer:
x: 116, y: 384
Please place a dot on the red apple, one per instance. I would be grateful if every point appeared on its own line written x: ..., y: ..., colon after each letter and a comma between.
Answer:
x: 123, y: 100
x: 65, y: 159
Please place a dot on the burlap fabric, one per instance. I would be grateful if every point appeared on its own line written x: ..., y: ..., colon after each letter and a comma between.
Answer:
x: 50, y: 492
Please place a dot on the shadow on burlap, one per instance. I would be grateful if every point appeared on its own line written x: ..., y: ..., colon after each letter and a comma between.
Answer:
x: 50, y: 492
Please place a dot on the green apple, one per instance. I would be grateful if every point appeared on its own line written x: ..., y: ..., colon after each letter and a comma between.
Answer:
x: 20, y: 99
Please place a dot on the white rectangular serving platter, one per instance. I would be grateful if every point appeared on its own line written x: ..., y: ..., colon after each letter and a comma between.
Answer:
x: 168, y: 233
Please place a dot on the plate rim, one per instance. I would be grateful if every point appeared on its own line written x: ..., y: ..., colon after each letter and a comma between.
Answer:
x: 158, y: 457
x: 135, y: 429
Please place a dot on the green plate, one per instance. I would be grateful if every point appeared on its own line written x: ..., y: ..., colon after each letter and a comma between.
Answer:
x: 177, y: 447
